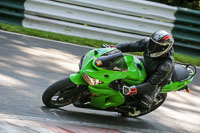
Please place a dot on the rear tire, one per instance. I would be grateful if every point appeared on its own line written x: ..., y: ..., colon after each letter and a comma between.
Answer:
x: 59, y: 94
x: 160, y: 100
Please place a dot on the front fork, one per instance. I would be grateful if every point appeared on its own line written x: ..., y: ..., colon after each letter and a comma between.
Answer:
x: 82, y: 86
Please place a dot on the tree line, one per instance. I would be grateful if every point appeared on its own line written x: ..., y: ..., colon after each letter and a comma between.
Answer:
x: 192, y: 4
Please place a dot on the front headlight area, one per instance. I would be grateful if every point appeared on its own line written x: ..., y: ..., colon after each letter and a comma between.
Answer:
x: 90, y: 80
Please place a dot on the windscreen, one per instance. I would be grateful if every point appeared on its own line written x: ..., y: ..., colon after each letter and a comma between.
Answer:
x: 112, y: 61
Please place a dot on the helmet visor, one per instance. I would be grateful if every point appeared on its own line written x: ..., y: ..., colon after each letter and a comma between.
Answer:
x: 157, y: 49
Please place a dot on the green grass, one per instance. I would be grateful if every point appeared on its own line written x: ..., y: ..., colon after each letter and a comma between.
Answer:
x: 187, y: 59
x: 84, y: 41
x: 53, y: 36
x: 181, y: 58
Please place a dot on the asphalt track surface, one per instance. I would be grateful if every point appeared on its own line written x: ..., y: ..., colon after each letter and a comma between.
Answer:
x: 29, y: 65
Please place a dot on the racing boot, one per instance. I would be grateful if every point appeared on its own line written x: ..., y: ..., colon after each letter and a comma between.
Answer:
x: 148, y: 99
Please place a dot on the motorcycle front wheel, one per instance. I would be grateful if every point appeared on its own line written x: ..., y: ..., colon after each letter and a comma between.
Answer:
x: 59, y: 94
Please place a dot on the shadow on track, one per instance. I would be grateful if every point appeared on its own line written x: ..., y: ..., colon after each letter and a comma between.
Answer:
x: 109, y: 119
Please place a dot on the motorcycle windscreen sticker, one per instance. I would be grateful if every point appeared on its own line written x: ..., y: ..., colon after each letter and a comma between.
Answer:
x: 99, y: 62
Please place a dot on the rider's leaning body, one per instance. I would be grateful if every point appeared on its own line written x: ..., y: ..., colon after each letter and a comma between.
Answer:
x: 158, y: 61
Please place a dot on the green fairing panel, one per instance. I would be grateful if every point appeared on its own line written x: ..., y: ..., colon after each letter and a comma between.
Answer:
x: 173, y: 86
x: 135, y: 76
x: 77, y: 79
x: 106, y: 98
x: 87, y: 66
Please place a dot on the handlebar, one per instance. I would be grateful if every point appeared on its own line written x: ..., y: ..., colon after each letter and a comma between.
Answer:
x: 105, y: 46
x: 108, y: 46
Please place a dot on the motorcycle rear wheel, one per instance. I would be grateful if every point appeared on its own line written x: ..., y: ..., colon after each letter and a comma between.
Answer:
x: 59, y: 94
x: 159, y: 101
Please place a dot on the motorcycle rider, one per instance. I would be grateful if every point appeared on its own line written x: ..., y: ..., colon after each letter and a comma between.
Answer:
x: 159, y: 64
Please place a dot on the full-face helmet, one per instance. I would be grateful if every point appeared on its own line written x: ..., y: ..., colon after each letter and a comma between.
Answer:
x: 160, y: 43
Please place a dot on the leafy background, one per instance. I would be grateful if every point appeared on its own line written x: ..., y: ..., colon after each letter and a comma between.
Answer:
x: 192, y: 4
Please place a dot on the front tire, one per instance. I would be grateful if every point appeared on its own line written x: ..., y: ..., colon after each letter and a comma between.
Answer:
x: 59, y: 94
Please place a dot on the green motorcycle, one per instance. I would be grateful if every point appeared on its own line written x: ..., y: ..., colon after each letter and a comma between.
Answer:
x: 102, y: 74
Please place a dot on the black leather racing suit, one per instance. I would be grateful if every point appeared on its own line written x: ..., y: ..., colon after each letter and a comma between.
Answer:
x: 159, y: 69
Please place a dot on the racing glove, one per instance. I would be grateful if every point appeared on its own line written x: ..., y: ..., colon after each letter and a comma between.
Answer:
x: 132, y: 90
